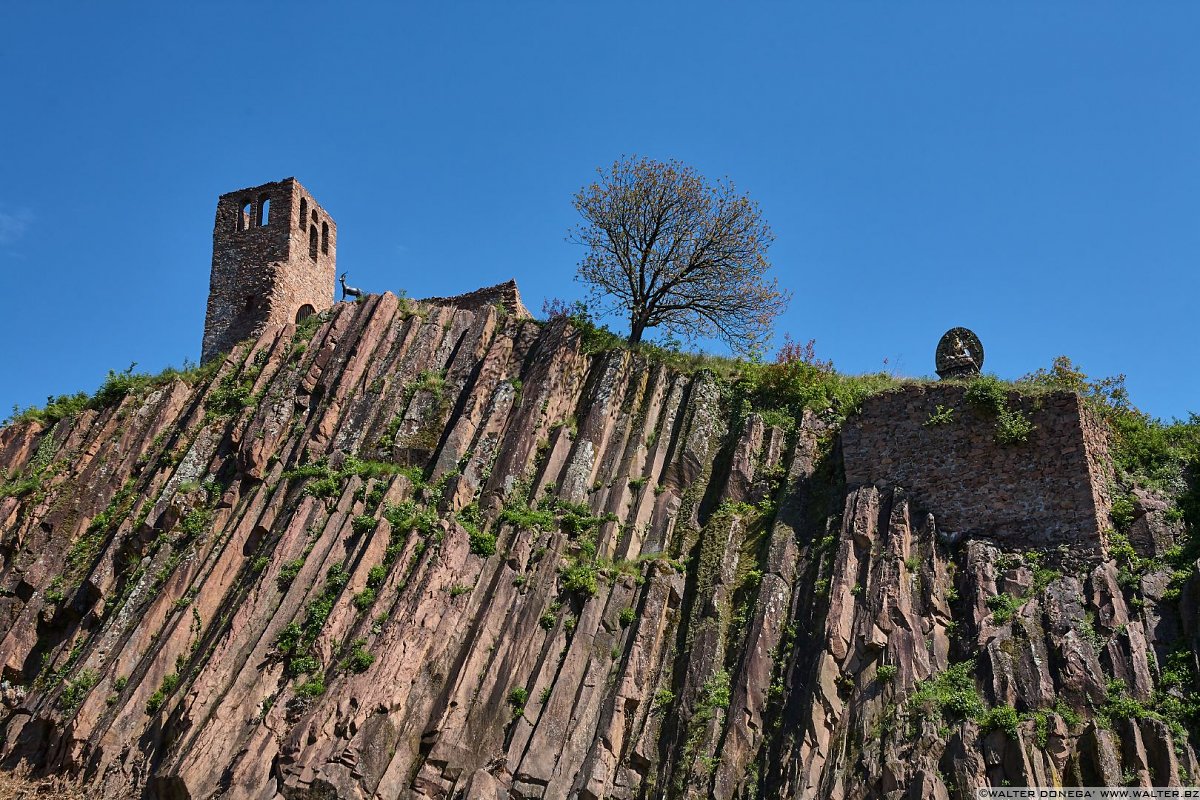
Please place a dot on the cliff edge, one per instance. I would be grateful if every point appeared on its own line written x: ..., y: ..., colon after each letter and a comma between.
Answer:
x: 436, y: 550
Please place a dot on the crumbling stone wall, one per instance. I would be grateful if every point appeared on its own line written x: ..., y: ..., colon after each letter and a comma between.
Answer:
x: 1047, y: 491
x: 266, y: 267
x: 504, y: 294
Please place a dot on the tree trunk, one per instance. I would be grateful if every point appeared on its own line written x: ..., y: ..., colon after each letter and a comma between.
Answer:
x: 636, y: 327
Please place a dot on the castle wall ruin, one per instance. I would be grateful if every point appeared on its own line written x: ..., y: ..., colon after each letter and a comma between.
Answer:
x: 1048, y: 491
x: 274, y: 260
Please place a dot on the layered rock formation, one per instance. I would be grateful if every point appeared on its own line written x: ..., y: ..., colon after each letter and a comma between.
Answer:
x: 439, y: 551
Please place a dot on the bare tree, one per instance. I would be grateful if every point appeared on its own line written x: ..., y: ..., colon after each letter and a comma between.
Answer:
x: 674, y: 252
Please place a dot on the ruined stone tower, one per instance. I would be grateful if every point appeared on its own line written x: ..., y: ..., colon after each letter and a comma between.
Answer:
x: 274, y: 261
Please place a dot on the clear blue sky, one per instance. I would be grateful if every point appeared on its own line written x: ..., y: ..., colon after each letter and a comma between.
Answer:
x: 1029, y: 170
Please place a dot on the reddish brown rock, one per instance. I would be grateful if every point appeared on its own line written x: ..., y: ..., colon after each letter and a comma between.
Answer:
x: 297, y: 596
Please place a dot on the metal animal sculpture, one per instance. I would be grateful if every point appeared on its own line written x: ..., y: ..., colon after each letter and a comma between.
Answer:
x: 349, y: 291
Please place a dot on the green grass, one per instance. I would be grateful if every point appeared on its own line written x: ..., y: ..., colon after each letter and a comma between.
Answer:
x: 156, y: 700
x: 77, y: 689
x: 376, y: 576
x: 116, y: 386
x: 302, y: 665
x: 1002, y: 717
x: 482, y: 542
x: 306, y: 328
x: 56, y: 408
x: 1122, y: 513
x: 20, y: 487
x: 195, y: 523
x: 289, y: 638
x: 941, y: 416
x: 296, y: 638
x: 517, y: 698
x: 1004, y: 606
x: 288, y: 572
x: 319, y: 609
x: 987, y: 393
x: 524, y: 518
x: 990, y: 395
x: 406, y: 516
x: 1177, y: 706
x: 359, y: 660
x: 231, y: 394
x: 326, y: 483
x: 364, y: 599
x: 716, y: 689
x: 780, y: 392
x: 325, y: 488
x: 1013, y: 427
x: 363, y: 524
x: 951, y: 695
x: 86, y: 547
x: 716, y: 692
x: 433, y: 381
x: 580, y: 578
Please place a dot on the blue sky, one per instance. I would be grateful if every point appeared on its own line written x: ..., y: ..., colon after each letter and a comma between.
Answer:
x: 1028, y: 170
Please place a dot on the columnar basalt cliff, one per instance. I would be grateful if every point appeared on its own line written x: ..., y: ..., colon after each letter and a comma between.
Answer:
x: 420, y: 550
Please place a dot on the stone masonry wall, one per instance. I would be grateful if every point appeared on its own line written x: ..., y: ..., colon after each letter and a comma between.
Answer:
x: 505, y: 294
x: 263, y: 274
x: 1047, y: 491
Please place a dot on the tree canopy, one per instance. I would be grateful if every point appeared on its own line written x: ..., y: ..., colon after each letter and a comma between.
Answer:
x: 674, y: 252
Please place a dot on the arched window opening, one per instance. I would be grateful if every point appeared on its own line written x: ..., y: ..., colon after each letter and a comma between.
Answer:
x: 243, y: 218
x: 305, y: 311
x: 312, y: 242
x: 264, y: 210
x: 325, y: 238
x: 303, y: 210
x: 314, y: 216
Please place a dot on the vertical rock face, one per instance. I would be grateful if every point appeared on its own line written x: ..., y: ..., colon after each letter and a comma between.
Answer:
x: 439, y: 551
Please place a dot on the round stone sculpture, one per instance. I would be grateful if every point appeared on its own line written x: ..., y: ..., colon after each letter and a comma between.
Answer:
x: 959, y: 354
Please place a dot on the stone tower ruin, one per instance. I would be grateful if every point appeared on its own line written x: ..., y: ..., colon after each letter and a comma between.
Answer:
x: 274, y: 261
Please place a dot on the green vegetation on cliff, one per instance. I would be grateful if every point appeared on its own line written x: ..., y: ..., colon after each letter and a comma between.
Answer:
x: 673, y: 558
x: 116, y: 386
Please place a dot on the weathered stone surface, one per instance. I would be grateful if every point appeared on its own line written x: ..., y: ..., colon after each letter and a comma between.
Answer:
x: 1048, y: 491
x: 259, y: 602
x: 1153, y: 531
x: 505, y: 295
x: 274, y: 259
